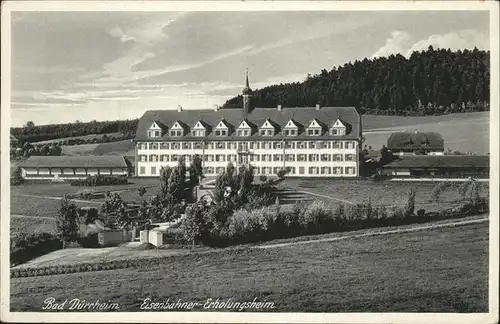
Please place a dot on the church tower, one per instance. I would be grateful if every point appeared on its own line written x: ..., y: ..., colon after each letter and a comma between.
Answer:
x: 247, y: 95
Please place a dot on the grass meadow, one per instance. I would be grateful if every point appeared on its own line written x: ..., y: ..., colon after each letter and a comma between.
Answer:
x: 83, y: 137
x: 467, y: 132
x: 29, y: 225
x: 42, y: 200
x: 440, y: 270
x: 381, y: 193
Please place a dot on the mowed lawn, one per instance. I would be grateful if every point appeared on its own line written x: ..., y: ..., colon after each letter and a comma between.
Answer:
x: 387, y: 193
x: 43, y: 200
x: 441, y: 270
x: 468, y: 132
x: 28, y: 225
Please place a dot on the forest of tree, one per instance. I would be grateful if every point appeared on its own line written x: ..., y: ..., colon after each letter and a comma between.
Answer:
x: 32, y: 133
x: 430, y: 82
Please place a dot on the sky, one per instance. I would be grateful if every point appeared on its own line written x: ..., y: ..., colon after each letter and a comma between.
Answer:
x: 69, y: 66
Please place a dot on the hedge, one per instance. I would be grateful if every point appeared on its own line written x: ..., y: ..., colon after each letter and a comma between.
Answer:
x: 23, y: 249
x: 100, y: 180
x: 315, y: 218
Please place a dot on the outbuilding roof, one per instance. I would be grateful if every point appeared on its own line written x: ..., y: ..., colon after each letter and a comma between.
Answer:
x: 440, y: 161
x: 407, y: 140
x: 257, y: 116
x: 87, y: 161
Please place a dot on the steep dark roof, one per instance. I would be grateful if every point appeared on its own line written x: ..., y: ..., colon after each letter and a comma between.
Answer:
x: 104, y: 161
x: 441, y: 161
x: 161, y: 125
x: 303, y: 115
x: 404, y: 140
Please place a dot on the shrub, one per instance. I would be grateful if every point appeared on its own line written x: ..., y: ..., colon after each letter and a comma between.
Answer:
x: 25, y: 248
x: 410, y: 204
x: 17, y: 177
x: 251, y: 226
x: 194, y: 224
x: 316, y: 218
x: 354, y: 213
x: 398, y: 213
x: 281, y: 173
x: 66, y: 221
x: 421, y: 212
x: 100, y: 180
x: 263, y: 178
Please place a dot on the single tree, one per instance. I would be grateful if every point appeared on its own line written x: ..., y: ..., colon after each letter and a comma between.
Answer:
x: 141, y: 191
x: 194, y: 222
x: 196, y: 170
x: 67, y: 221
x: 410, y: 204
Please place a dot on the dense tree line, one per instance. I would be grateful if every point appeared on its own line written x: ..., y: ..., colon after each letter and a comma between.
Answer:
x: 427, y: 83
x: 32, y: 133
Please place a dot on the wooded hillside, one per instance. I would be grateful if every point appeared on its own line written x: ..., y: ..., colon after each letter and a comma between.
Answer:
x: 32, y: 133
x: 427, y: 83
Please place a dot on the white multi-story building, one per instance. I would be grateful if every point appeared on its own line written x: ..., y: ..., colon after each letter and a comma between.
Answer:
x: 306, y: 141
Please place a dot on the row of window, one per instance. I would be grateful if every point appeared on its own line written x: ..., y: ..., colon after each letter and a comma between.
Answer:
x: 73, y: 171
x: 251, y: 157
x: 317, y: 131
x: 247, y: 145
x: 274, y: 170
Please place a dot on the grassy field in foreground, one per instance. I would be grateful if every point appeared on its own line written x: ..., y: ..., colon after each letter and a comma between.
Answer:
x: 442, y: 270
x: 381, y: 193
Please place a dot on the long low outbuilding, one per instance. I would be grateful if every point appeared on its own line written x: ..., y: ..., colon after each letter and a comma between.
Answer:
x: 448, y: 166
x: 72, y: 167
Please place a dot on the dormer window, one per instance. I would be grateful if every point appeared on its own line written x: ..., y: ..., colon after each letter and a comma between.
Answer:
x: 154, y: 133
x: 243, y: 132
x: 221, y: 132
x: 314, y: 131
x: 291, y: 128
x: 245, y: 129
x: 178, y: 129
x: 222, y: 128
x: 200, y: 129
x: 198, y: 133
x: 314, y: 128
x: 156, y: 129
x: 176, y: 133
x: 267, y: 129
x: 338, y: 128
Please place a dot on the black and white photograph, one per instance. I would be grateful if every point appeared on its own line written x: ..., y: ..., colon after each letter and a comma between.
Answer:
x: 283, y: 162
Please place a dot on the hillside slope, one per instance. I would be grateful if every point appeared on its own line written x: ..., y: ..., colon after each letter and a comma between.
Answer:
x: 427, y: 83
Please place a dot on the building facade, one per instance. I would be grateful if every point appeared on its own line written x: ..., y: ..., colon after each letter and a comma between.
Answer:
x: 445, y: 166
x: 416, y: 143
x: 72, y: 167
x: 306, y: 141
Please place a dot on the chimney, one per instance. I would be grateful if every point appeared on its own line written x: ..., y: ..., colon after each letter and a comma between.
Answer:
x: 179, y: 108
x: 216, y: 107
x: 317, y: 106
x: 279, y: 108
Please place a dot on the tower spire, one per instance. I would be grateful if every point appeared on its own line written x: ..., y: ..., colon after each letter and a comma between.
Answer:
x: 247, y: 93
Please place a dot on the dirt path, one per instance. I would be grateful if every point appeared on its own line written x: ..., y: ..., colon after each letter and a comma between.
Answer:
x: 387, y: 232
x: 59, y: 198
x: 35, y: 217
x: 327, y: 197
